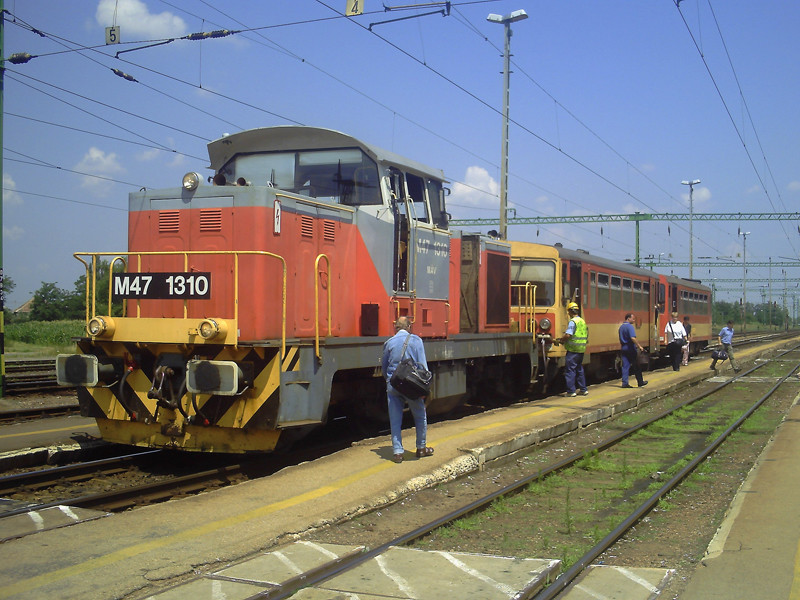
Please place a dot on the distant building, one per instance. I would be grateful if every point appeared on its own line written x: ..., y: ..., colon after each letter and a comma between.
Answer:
x: 25, y: 308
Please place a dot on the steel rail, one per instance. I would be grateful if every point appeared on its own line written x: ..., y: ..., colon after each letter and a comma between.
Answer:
x: 51, y: 476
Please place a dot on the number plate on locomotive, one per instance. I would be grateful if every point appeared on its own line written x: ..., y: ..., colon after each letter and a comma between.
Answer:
x: 162, y: 286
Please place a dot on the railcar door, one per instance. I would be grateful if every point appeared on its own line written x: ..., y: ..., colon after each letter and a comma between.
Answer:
x: 403, y: 236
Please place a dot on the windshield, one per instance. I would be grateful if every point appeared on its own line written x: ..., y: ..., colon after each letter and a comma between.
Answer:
x: 346, y: 176
x: 540, y: 273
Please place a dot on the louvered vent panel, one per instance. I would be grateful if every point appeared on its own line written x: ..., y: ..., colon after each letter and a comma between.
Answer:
x: 210, y: 219
x: 306, y: 226
x: 329, y: 231
x: 169, y: 221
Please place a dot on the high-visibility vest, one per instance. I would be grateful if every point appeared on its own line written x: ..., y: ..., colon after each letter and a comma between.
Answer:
x: 577, y: 343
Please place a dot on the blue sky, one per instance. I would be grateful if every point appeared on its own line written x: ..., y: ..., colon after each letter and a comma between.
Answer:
x: 613, y: 104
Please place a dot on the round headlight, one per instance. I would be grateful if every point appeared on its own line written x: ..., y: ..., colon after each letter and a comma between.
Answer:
x: 191, y: 181
x: 100, y: 326
x: 545, y: 324
x: 211, y: 328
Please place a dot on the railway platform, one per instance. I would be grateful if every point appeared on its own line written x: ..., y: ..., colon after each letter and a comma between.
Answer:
x: 219, y: 544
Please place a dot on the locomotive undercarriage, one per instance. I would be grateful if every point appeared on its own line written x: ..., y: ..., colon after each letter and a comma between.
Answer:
x: 147, y: 394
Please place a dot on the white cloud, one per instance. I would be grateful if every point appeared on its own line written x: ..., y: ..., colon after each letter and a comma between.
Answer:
x: 794, y: 186
x: 10, y: 195
x: 478, y: 189
x: 97, y: 162
x: 137, y: 22
x: 12, y: 234
x: 149, y: 155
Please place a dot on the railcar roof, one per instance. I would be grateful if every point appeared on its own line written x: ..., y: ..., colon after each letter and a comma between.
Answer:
x: 624, y: 267
x: 303, y: 137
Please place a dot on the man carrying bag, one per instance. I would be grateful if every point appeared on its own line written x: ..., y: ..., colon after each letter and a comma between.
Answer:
x: 404, y: 345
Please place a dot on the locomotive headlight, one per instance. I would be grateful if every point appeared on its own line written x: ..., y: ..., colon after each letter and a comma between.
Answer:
x: 211, y: 328
x: 545, y: 324
x: 100, y: 326
x: 191, y: 181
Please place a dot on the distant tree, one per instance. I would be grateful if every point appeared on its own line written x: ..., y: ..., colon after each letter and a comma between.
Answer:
x: 103, y: 278
x: 51, y: 303
x: 8, y: 287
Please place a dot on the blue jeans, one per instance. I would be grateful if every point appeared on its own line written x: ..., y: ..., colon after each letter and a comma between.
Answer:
x: 631, y: 359
x: 417, y: 407
x: 573, y: 370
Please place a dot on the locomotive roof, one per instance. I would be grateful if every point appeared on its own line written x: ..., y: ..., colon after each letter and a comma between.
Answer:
x: 303, y: 137
x: 625, y: 267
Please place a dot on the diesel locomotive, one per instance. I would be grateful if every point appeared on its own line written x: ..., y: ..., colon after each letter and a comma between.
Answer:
x: 244, y: 313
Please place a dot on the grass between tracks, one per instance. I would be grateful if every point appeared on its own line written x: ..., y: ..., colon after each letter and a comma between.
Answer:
x: 565, y: 514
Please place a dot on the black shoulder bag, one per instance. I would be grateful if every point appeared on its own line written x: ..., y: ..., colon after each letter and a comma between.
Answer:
x: 409, y: 378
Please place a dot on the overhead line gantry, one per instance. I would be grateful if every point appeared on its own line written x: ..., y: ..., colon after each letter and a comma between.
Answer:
x: 635, y: 217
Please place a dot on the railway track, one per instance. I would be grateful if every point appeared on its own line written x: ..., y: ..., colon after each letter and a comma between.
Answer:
x: 670, y: 445
x: 28, y: 376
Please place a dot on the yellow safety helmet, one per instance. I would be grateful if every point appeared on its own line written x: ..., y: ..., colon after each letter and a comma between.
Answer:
x: 573, y: 306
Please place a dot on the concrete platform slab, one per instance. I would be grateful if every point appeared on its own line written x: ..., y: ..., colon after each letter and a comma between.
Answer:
x: 43, y: 520
x: 399, y: 573
x: 618, y: 583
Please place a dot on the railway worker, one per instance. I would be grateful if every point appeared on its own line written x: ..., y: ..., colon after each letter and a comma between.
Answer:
x: 688, y: 327
x: 574, y: 339
x: 630, y: 348
x: 726, y: 341
x: 392, y: 355
x: 675, y: 335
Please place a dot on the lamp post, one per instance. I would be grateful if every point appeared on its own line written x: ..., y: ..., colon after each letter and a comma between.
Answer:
x: 517, y: 15
x: 744, y: 235
x: 691, y: 185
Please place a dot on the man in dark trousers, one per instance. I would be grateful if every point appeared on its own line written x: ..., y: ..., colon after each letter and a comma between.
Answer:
x: 392, y: 355
x: 630, y: 348
x: 726, y: 341
x: 574, y: 339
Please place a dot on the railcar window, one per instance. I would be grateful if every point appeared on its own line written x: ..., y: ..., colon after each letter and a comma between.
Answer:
x: 638, y: 298
x: 593, y: 290
x: 585, y: 289
x: 346, y: 176
x: 603, y: 291
x: 616, y: 293
x: 436, y: 200
x: 627, y: 297
x: 540, y: 273
x: 416, y: 190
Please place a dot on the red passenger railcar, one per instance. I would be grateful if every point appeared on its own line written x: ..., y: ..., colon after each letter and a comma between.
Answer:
x: 551, y: 276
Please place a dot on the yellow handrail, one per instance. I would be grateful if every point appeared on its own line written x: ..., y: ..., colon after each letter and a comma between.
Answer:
x: 527, y: 305
x: 185, y: 253
x: 316, y: 301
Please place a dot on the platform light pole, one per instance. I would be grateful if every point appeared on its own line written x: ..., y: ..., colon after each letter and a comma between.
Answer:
x: 517, y: 15
x: 691, y: 185
x: 744, y: 235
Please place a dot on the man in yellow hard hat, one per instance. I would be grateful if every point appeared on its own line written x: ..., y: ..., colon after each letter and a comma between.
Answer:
x: 574, y: 339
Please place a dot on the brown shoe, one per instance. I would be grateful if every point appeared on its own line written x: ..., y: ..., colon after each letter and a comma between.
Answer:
x: 398, y: 458
x: 423, y: 452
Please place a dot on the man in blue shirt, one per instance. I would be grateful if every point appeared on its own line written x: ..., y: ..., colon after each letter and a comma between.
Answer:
x: 630, y: 348
x: 392, y: 355
x: 726, y: 341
